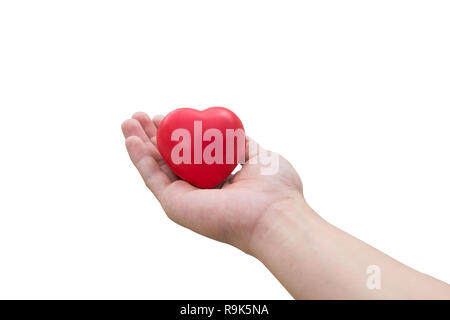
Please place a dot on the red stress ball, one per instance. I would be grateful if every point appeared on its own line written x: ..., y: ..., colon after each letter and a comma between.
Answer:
x: 202, y: 147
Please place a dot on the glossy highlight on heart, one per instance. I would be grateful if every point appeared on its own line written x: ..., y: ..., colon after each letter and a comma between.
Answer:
x: 202, y: 147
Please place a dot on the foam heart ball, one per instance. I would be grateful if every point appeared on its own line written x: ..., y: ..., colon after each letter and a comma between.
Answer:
x: 201, y: 147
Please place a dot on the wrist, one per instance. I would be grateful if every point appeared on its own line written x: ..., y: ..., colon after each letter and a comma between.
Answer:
x: 282, y: 225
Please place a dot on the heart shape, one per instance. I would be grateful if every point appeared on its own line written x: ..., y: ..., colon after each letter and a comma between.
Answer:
x: 201, y: 147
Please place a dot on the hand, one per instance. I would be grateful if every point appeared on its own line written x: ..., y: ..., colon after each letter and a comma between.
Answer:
x: 238, y: 211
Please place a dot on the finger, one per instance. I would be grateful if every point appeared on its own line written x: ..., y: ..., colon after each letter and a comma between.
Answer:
x: 157, y: 120
x: 165, y: 168
x: 252, y: 148
x: 147, y: 124
x: 155, y: 179
x: 132, y: 127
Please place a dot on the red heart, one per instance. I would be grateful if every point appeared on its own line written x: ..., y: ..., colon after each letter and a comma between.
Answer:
x: 189, y: 142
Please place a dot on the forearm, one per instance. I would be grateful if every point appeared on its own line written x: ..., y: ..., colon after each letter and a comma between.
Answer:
x: 315, y: 260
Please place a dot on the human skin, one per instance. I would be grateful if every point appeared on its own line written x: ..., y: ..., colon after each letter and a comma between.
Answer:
x: 267, y: 217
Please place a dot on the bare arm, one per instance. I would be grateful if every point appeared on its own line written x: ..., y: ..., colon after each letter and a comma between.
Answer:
x: 266, y: 216
x: 315, y: 260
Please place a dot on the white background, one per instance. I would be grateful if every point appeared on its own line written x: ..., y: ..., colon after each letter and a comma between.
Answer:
x: 356, y: 94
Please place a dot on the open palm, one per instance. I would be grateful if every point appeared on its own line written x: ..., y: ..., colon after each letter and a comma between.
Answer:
x: 229, y: 213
